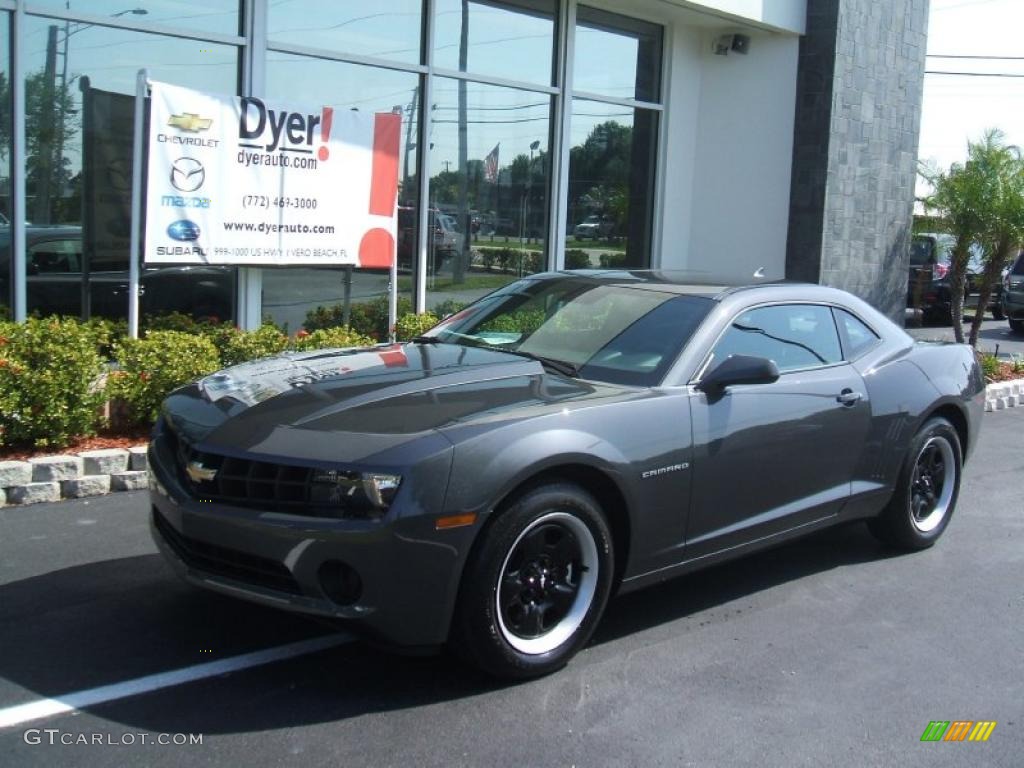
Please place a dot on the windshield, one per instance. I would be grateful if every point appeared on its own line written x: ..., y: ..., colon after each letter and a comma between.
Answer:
x: 614, y: 333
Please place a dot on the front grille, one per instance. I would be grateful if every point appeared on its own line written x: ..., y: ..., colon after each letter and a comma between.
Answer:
x: 229, y: 563
x: 260, y: 485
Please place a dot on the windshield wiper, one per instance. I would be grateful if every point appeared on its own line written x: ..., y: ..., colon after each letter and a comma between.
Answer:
x: 560, y: 366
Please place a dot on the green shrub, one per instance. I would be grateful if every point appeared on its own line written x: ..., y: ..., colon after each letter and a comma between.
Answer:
x: 613, y: 260
x: 448, y: 307
x: 487, y: 258
x: 105, y: 334
x: 150, y: 368
x: 326, y: 338
x: 235, y: 346
x: 989, y: 365
x: 49, y: 374
x: 368, y: 318
x: 410, y: 326
x: 533, y: 262
x: 524, y: 321
x: 577, y: 259
x: 505, y: 257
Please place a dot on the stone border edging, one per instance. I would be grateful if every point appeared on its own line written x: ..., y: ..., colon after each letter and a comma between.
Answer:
x: 72, y: 476
x: 96, y: 473
x: 1004, y: 394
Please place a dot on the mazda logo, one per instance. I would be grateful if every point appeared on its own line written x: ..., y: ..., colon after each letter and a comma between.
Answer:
x: 187, y: 174
x: 183, y: 230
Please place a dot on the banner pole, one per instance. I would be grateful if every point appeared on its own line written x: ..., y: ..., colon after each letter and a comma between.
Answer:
x: 393, y: 298
x: 135, y: 249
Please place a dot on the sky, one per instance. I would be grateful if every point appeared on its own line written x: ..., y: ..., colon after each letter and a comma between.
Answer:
x: 958, y: 108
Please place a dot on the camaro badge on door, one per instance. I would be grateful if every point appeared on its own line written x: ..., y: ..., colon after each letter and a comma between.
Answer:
x: 665, y: 470
x: 198, y: 473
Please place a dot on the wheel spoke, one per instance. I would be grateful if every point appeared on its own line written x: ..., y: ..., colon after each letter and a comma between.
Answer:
x: 532, y: 622
x: 560, y: 599
x: 532, y: 545
x: 564, y: 549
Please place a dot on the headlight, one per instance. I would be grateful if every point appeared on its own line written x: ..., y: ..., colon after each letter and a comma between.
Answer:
x: 354, y: 494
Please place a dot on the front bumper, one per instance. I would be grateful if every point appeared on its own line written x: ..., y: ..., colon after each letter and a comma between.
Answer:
x: 407, y: 571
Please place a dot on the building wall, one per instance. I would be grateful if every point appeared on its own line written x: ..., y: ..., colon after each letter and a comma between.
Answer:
x: 744, y: 143
x: 859, y: 91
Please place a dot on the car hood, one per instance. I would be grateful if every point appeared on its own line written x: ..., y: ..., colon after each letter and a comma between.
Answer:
x: 358, y: 405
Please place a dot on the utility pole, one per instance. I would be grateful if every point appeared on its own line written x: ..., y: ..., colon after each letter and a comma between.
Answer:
x: 461, y: 260
x: 45, y: 160
x: 408, y: 137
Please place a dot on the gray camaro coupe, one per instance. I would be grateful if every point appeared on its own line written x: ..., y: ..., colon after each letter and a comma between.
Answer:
x: 491, y: 484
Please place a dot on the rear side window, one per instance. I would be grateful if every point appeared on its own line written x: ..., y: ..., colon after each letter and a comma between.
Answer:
x: 793, y: 336
x: 857, y: 336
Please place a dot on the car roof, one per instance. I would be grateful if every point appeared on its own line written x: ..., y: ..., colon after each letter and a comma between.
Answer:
x: 683, y: 282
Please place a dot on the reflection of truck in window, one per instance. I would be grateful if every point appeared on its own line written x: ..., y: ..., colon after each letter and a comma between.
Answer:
x: 443, y: 244
x: 55, y: 283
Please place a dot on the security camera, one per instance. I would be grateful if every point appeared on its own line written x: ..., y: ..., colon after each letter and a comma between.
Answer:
x: 731, y: 42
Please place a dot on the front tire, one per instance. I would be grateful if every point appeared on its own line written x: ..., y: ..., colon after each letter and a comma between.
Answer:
x: 1017, y: 326
x: 927, y: 489
x: 536, y: 584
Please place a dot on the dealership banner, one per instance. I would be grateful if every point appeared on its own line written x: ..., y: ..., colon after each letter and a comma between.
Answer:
x: 251, y: 182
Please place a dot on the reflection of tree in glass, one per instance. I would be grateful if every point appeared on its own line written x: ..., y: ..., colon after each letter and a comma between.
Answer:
x: 601, y: 168
x: 51, y: 122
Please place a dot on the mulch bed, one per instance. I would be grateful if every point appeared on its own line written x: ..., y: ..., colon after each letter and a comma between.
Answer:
x: 1006, y: 373
x: 104, y: 439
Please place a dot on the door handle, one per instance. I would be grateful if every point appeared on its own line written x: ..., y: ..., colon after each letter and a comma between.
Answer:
x: 849, y: 397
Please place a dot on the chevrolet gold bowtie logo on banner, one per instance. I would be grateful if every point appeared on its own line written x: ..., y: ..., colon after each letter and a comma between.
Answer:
x: 189, y: 121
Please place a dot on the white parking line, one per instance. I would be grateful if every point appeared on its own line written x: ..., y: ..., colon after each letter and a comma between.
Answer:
x: 34, y: 710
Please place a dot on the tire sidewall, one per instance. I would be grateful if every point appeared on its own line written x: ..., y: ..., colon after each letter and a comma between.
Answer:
x: 936, y: 427
x: 481, y: 637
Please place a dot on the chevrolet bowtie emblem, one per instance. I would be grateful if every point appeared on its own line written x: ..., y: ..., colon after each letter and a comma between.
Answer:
x: 198, y: 473
x: 189, y: 121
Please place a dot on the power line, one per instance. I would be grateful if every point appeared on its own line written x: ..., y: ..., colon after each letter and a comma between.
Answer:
x: 972, y: 56
x: 972, y: 74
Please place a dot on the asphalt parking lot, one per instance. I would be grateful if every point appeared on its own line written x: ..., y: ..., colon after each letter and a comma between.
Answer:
x: 995, y: 335
x: 830, y: 651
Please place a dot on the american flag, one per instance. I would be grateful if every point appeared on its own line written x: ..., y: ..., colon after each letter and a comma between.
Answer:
x: 491, y: 164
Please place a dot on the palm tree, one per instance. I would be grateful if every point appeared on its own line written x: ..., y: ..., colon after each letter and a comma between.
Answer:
x: 980, y: 201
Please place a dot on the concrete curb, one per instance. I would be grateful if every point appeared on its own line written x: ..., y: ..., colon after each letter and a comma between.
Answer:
x: 72, y: 476
x: 1004, y: 394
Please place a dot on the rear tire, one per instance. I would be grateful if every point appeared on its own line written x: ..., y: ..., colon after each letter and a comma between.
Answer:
x: 926, y: 491
x: 1017, y: 326
x: 536, y: 584
x: 997, y: 312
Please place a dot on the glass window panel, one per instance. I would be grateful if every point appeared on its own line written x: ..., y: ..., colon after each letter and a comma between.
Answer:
x: 489, y: 212
x: 387, y: 31
x: 611, y: 185
x: 6, y: 298
x: 309, y: 298
x: 79, y: 97
x: 514, y: 39
x: 859, y: 338
x: 794, y: 336
x: 617, y: 56
x: 218, y: 16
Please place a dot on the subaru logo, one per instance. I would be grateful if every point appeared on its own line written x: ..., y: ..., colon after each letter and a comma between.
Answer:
x: 183, y: 230
x: 187, y: 174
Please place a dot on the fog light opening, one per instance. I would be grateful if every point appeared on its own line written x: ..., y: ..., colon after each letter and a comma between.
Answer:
x: 340, y: 582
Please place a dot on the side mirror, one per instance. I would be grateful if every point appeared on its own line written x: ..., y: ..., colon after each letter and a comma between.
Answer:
x: 738, y: 369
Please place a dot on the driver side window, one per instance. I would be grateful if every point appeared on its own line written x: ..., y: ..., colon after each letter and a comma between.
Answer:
x: 793, y: 336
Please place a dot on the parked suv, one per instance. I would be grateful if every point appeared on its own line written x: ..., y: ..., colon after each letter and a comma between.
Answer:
x: 1013, y: 294
x: 55, y: 285
x: 928, y: 286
